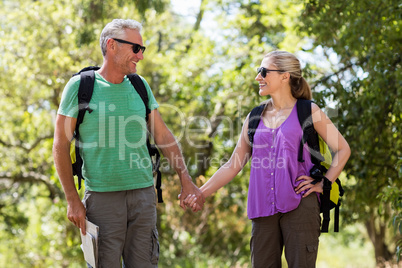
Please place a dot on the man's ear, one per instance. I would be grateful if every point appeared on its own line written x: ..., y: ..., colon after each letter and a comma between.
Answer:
x: 111, y: 44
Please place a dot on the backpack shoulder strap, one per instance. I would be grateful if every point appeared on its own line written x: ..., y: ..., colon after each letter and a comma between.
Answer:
x: 304, y: 113
x: 85, y: 90
x: 253, y: 121
x: 139, y: 86
x: 309, y: 134
x: 311, y: 137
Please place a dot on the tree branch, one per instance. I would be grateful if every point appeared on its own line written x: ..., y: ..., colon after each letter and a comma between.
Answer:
x: 26, y: 148
x: 36, y: 143
x: 343, y: 69
x: 33, y: 178
x: 215, y: 119
x: 327, y: 77
x: 200, y: 15
x: 197, y: 23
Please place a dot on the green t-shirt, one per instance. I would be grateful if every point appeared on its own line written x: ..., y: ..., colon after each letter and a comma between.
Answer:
x: 114, y: 152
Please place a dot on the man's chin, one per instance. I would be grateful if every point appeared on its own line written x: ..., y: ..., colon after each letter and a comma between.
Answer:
x: 131, y: 71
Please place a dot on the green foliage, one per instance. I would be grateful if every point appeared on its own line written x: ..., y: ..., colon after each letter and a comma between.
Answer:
x: 393, y: 196
x: 366, y: 85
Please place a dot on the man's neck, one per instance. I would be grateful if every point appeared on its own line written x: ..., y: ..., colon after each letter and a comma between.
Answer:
x: 110, y: 74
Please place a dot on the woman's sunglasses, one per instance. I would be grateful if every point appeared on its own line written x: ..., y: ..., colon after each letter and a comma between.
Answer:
x: 136, y: 47
x: 264, y: 71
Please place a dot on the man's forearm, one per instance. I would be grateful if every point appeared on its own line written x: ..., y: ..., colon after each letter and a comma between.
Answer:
x: 62, y: 162
x: 75, y: 209
x: 170, y: 149
x: 169, y: 146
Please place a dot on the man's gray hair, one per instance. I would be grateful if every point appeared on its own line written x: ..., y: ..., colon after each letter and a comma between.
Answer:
x: 115, y: 29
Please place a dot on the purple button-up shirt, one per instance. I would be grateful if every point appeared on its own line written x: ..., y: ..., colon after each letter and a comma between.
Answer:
x: 274, y: 168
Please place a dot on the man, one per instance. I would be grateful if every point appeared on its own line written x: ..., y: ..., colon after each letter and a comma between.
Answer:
x: 119, y: 195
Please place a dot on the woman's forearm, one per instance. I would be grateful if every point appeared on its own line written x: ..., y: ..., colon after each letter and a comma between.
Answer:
x: 223, y: 176
x: 338, y: 163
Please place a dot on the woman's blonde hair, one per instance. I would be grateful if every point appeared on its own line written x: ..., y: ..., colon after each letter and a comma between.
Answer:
x: 289, y: 63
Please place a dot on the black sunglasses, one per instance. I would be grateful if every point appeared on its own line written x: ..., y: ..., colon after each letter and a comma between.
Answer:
x: 264, y: 71
x: 136, y: 47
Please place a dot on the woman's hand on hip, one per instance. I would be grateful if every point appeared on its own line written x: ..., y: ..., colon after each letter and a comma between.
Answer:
x: 307, y: 187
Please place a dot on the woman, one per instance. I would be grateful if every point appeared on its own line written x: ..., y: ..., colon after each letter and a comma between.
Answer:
x: 282, y: 203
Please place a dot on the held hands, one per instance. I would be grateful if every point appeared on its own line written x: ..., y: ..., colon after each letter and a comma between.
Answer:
x: 190, y: 201
x: 192, y: 197
x: 307, y: 187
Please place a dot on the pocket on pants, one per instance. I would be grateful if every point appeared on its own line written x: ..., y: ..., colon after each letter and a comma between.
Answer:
x: 312, y: 248
x: 85, y: 198
x: 155, y: 247
x: 311, y: 255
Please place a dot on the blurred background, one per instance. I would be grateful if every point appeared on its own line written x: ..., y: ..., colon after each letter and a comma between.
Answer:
x: 201, y: 62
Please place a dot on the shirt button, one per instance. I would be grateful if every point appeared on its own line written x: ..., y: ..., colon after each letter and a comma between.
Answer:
x: 272, y: 147
x: 273, y: 203
x: 272, y: 189
x: 272, y: 174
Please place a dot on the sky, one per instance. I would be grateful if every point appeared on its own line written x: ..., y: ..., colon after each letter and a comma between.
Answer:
x: 186, y: 8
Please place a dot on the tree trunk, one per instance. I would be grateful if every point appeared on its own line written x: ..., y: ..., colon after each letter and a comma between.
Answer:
x: 376, y: 231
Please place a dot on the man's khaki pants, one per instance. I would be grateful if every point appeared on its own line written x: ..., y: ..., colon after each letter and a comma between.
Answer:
x: 127, y: 227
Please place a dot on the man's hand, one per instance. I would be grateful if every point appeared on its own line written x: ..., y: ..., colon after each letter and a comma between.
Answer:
x: 189, y: 189
x: 76, y: 213
x: 307, y: 186
x: 191, y: 202
x: 63, y: 134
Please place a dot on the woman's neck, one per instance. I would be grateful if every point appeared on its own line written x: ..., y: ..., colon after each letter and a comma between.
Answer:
x: 280, y: 103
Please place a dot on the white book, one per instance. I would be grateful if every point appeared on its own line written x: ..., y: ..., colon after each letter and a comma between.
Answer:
x: 90, y: 243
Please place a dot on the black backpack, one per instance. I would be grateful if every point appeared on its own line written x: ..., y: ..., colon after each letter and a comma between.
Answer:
x: 320, y: 157
x: 85, y: 91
